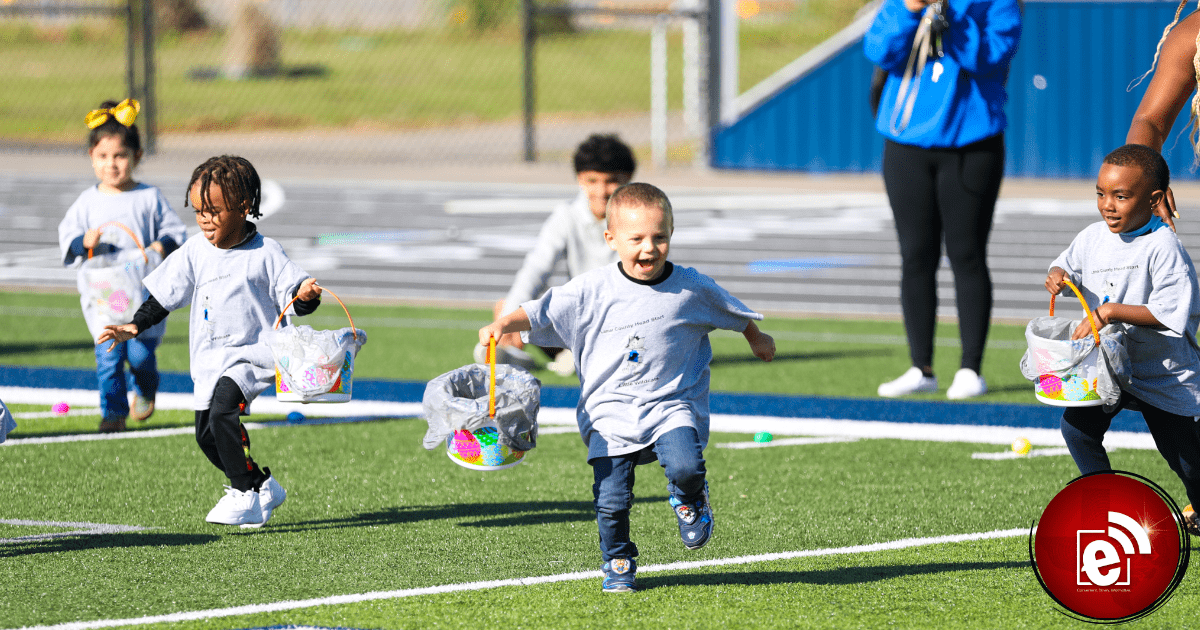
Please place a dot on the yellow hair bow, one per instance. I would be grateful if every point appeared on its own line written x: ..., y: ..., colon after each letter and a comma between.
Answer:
x: 125, y: 112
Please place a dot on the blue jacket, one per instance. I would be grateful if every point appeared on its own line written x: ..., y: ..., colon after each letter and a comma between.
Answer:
x: 963, y: 101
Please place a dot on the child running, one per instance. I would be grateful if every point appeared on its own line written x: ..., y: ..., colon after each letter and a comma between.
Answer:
x: 1135, y: 269
x: 115, y: 148
x: 638, y: 330
x: 237, y: 282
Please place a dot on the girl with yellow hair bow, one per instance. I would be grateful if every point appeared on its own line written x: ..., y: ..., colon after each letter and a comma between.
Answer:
x: 92, y: 228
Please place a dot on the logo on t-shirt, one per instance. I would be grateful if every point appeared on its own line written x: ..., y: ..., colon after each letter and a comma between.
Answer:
x: 634, y: 352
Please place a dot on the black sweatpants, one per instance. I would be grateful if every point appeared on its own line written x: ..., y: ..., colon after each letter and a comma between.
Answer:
x: 1177, y: 439
x: 944, y: 196
x: 224, y: 440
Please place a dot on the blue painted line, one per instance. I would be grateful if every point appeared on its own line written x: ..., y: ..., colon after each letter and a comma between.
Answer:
x: 918, y: 411
x: 782, y: 265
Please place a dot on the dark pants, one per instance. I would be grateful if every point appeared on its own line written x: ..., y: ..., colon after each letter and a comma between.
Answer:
x: 944, y: 196
x: 224, y: 440
x: 682, y: 458
x: 1177, y: 439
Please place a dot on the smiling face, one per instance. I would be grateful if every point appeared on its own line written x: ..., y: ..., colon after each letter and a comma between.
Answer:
x: 114, y: 163
x: 1125, y: 197
x: 222, y: 226
x: 599, y: 186
x: 641, y: 236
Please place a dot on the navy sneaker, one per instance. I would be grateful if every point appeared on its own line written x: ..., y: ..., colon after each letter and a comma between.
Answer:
x: 695, y: 520
x: 620, y: 576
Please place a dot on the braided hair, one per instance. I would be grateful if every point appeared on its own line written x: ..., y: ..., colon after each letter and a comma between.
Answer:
x: 237, y: 179
x: 129, y: 136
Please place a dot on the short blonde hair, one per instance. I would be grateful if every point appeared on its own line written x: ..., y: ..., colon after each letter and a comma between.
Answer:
x: 638, y: 194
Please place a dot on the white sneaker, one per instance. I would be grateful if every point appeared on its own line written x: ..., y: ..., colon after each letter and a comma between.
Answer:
x: 911, y: 382
x: 236, y: 508
x: 967, y: 384
x: 511, y: 355
x: 270, y: 496
x: 563, y: 364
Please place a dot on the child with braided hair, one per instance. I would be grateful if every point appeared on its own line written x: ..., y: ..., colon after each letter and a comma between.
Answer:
x: 238, y: 282
x: 115, y: 148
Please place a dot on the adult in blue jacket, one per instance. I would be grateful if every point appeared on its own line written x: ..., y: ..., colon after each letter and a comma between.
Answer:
x: 942, y: 115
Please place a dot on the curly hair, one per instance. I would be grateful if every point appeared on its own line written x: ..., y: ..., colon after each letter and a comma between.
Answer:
x: 239, y: 183
x: 1153, y: 166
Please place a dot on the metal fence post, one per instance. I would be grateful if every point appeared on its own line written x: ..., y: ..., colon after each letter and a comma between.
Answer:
x: 529, y: 41
x: 711, y: 82
x: 148, y: 87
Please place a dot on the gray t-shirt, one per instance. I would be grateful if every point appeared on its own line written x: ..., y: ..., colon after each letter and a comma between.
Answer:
x: 1153, y: 270
x: 641, y: 351
x: 235, y: 294
x: 143, y: 210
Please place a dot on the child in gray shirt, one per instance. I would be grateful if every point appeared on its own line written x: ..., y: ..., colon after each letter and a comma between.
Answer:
x: 237, y: 282
x: 1137, y: 273
x: 638, y: 330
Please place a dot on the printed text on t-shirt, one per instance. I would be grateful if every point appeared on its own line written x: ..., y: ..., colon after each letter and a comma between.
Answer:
x: 628, y: 326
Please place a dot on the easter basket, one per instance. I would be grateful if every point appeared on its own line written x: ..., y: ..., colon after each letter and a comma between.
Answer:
x: 314, y: 366
x: 1085, y: 372
x: 110, y: 285
x: 484, y: 416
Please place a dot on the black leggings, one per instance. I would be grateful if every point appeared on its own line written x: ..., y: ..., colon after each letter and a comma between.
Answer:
x: 944, y: 195
x: 224, y: 440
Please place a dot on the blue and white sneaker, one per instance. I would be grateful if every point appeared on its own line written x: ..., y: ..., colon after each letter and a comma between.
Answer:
x: 620, y: 575
x: 695, y: 520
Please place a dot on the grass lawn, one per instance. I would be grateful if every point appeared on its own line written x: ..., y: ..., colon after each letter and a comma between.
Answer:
x: 373, y: 80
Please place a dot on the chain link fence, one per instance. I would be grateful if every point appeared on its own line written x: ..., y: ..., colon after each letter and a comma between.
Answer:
x: 356, y: 81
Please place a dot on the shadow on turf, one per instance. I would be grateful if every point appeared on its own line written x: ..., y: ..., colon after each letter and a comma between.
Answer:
x: 480, y: 515
x: 848, y: 575
x: 104, y: 541
x: 797, y: 356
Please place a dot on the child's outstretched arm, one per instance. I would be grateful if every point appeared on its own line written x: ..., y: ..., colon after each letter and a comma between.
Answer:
x: 516, y: 321
x: 117, y: 334
x: 1109, y: 312
x: 761, y: 344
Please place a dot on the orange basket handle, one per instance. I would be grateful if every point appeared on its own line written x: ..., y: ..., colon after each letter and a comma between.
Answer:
x: 136, y: 240
x: 323, y: 290
x: 1087, y: 310
x: 492, y: 381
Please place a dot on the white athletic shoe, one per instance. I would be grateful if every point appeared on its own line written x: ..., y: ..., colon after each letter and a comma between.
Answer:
x: 967, y: 384
x: 507, y: 354
x: 563, y: 364
x: 911, y: 382
x: 270, y: 496
x: 236, y: 508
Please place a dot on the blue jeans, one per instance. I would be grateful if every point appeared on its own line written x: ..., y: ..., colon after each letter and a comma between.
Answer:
x: 682, y: 458
x: 114, y: 383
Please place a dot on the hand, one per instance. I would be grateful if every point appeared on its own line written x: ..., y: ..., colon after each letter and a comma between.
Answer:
x: 309, y: 290
x: 1054, y: 280
x: 763, y: 346
x: 494, y: 329
x: 117, y: 334
x: 158, y: 247
x: 916, y: 6
x: 1167, y: 210
x: 1084, y: 329
x: 91, y: 239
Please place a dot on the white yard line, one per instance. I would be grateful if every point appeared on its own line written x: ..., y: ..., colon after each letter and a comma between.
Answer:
x: 1041, y: 452
x: 252, y: 609
x: 800, y: 441
x: 77, y: 529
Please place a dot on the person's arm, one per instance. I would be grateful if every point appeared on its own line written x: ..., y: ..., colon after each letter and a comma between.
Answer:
x: 889, y: 39
x: 1110, y: 312
x: 761, y: 344
x: 516, y: 321
x: 983, y: 46
x: 147, y: 315
x: 309, y: 294
x: 533, y: 277
x: 1170, y: 88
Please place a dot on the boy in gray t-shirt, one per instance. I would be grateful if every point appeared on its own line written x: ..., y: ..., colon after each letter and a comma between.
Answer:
x: 1133, y: 268
x: 237, y: 282
x: 638, y: 330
